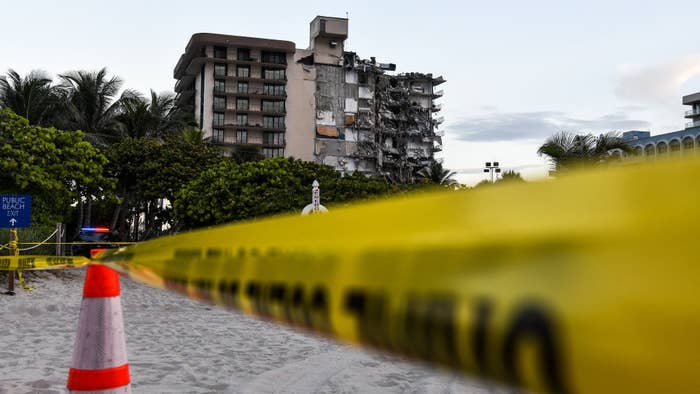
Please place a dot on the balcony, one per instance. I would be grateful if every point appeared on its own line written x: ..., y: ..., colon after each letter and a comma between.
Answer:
x: 256, y: 93
x: 439, y: 93
x: 256, y: 126
x: 278, y: 81
x: 690, y: 125
x: 692, y: 113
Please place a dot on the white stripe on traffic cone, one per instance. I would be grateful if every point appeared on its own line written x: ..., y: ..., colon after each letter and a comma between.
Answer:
x: 99, y: 356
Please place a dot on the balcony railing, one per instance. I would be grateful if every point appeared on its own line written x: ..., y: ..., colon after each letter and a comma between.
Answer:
x: 693, y: 112
x: 690, y: 125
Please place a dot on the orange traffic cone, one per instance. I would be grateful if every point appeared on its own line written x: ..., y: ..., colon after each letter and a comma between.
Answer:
x: 99, y: 355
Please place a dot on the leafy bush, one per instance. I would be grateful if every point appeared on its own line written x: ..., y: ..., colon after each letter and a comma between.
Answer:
x: 229, y: 192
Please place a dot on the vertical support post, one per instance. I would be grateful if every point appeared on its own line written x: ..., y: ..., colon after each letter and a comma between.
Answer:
x: 59, y: 244
x: 14, y: 251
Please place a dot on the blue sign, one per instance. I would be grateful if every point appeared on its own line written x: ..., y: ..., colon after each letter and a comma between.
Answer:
x: 15, y: 210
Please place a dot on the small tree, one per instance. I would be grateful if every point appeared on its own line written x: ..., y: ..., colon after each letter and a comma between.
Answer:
x: 511, y: 176
x: 568, y: 150
x: 150, y: 172
x: 56, y: 167
x: 436, y: 174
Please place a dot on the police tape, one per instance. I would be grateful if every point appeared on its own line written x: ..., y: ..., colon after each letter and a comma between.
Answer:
x: 588, y: 284
x: 14, y: 263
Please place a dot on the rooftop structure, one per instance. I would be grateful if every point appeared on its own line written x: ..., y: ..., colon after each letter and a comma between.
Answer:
x: 693, y: 100
x: 685, y: 141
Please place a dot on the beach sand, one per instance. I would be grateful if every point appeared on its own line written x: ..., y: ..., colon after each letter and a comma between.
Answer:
x: 177, y: 345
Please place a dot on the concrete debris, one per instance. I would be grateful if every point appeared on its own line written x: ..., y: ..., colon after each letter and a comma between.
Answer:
x: 383, y: 123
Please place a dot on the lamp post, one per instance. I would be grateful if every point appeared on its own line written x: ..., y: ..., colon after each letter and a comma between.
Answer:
x: 493, y: 169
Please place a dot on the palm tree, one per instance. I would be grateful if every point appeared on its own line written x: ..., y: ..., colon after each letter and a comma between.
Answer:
x: 91, y: 103
x: 31, y: 97
x: 566, y: 150
x: 168, y: 118
x: 193, y: 135
x: 159, y: 117
x: 435, y: 173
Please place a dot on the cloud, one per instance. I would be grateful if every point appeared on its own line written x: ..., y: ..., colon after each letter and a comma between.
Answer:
x: 658, y: 83
x: 510, y: 126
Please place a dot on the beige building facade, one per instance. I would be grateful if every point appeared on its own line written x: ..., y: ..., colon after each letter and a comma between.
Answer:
x: 322, y: 104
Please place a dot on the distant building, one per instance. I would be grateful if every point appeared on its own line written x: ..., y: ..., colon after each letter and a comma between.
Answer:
x: 673, y: 143
x: 321, y: 104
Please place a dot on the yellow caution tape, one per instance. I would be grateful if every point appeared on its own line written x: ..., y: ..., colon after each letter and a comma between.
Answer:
x: 12, y: 263
x: 587, y: 284
x: 22, y: 284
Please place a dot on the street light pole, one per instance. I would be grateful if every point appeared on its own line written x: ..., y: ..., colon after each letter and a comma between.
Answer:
x: 493, y: 169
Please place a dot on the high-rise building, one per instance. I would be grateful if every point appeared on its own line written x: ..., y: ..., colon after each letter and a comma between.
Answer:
x: 322, y: 103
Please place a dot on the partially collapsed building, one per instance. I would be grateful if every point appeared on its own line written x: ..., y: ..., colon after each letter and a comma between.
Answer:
x: 322, y: 104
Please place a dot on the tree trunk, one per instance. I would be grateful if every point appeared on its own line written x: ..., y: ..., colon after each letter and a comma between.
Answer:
x: 80, y: 217
x: 137, y: 220
x: 115, y: 216
x: 88, y: 212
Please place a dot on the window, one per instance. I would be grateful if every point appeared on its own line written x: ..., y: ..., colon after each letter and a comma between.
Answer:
x: 273, y: 152
x: 273, y: 122
x: 362, y: 78
x: 272, y: 106
x: 219, y: 70
x: 276, y: 75
x: 274, y: 57
x: 273, y: 138
x: 242, y: 136
x: 243, y: 71
x: 219, y: 86
x: 273, y: 90
x: 242, y: 119
x: 218, y: 118
x: 219, y: 102
x: 242, y: 87
x: 242, y: 104
x: 243, y: 54
x: 217, y: 135
x: 220, y: 52
x: 323, y: 25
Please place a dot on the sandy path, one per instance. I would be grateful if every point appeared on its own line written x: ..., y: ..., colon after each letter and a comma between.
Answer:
x: 177, y: 345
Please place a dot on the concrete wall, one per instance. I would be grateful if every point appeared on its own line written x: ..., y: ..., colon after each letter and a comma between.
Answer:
x: 208, y: 98
x: 197, y: 98
x: 301, y: 108
x: 324, y: 54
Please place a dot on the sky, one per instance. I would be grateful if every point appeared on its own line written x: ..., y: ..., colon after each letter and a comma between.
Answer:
x: 516, y: 71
